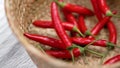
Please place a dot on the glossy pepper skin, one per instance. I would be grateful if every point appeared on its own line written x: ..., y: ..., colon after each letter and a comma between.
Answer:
x: 75, y: 8
x: 63, y: 54
x: 46, y: 40
x: 49, y: 24
x: 104, y: 7
x: 112, y: 32
x: 85, y: 41
x: 100, y: 25
x: 58, y: 26
x: 58, y: 43
x: 82, y: 25
x: 112, y: 60
x: 97, y: 9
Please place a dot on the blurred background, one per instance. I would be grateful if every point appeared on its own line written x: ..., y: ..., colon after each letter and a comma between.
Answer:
x: 12, y: 54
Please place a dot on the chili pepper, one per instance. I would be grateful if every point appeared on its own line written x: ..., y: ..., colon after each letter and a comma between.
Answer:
x: 58, y: 26
x: 58, y: 43
x: 70, y: 18
x: 104, y: 8
x: 100, y: 25
x: 46, y: 40
x: 81, y: 24
x: 110, y: 25
x: 86, y: 41
x: 77, y: 51
x: 63, y: 53
x: 96, y: 9
x: 112, y: 32
x: 112, y: 60
x: 48, y: 24
x: 75, y: 8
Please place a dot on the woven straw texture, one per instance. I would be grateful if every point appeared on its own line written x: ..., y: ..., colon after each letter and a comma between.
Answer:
x: 21, y: 14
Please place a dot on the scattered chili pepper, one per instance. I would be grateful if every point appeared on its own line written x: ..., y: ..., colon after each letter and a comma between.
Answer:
x: 70, y: 18
x: 58, y: 44
x: 112, y: 32
x: 81, y: 24
x: 58, y: 26
x: 66, y: 54
x: 63, y: 53
x: 100, y: 25
x: 96, y: 9
x: 104, y: 8
x: 112, y: 60
x: 85, y: 41
x: 49, y: 24
x: 46, y: 40
x: 75, y: 8
x: 110, y: 25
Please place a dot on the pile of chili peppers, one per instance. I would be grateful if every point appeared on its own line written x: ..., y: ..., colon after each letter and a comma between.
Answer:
x: 74, y: 45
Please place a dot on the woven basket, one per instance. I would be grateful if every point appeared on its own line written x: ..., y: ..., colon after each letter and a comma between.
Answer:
x: 21, y: 13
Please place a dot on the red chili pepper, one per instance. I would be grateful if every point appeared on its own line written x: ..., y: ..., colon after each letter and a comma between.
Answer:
x: 58, y: 44
x: 96, y: 9
x: 112, y: 60
x: 75, y: 8
x: 58, y: 26
x: 100, y: 25
x: 110, y: 25
x: 86, y: 41
x: 70, y: 18
x: 112, y: 32
x: 49, y: 24
x: 46, y: 40
x: 81, y: 24
x: 63, y: 53
x: 104, y: 8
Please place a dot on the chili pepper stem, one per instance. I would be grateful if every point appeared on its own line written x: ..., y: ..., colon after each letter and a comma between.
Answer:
x: 78, y: 31
x: 73, y: 58
x: 111, y: 45
x: 109, y: 13
x: 82, y: 49
x: 91, y: 51
x: 61, y: 4
x: 88, y: 33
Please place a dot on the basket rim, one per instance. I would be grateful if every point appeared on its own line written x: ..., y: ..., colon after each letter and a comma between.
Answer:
x: 30, y: 48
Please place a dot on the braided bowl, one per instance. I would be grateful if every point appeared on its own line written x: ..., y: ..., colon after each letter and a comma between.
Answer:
x: 21, y: 14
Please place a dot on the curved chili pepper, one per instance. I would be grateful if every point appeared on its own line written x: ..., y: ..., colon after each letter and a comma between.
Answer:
x: 112, y: 32
x: 75, y: 8
x: 96, y: 9
x: 63, y: 53
x: 104, y: 8
x: 112, y: 60
x: 58, y: 26
x: 110, y: 25
x: 81, y: 24
x: 46, y: 40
